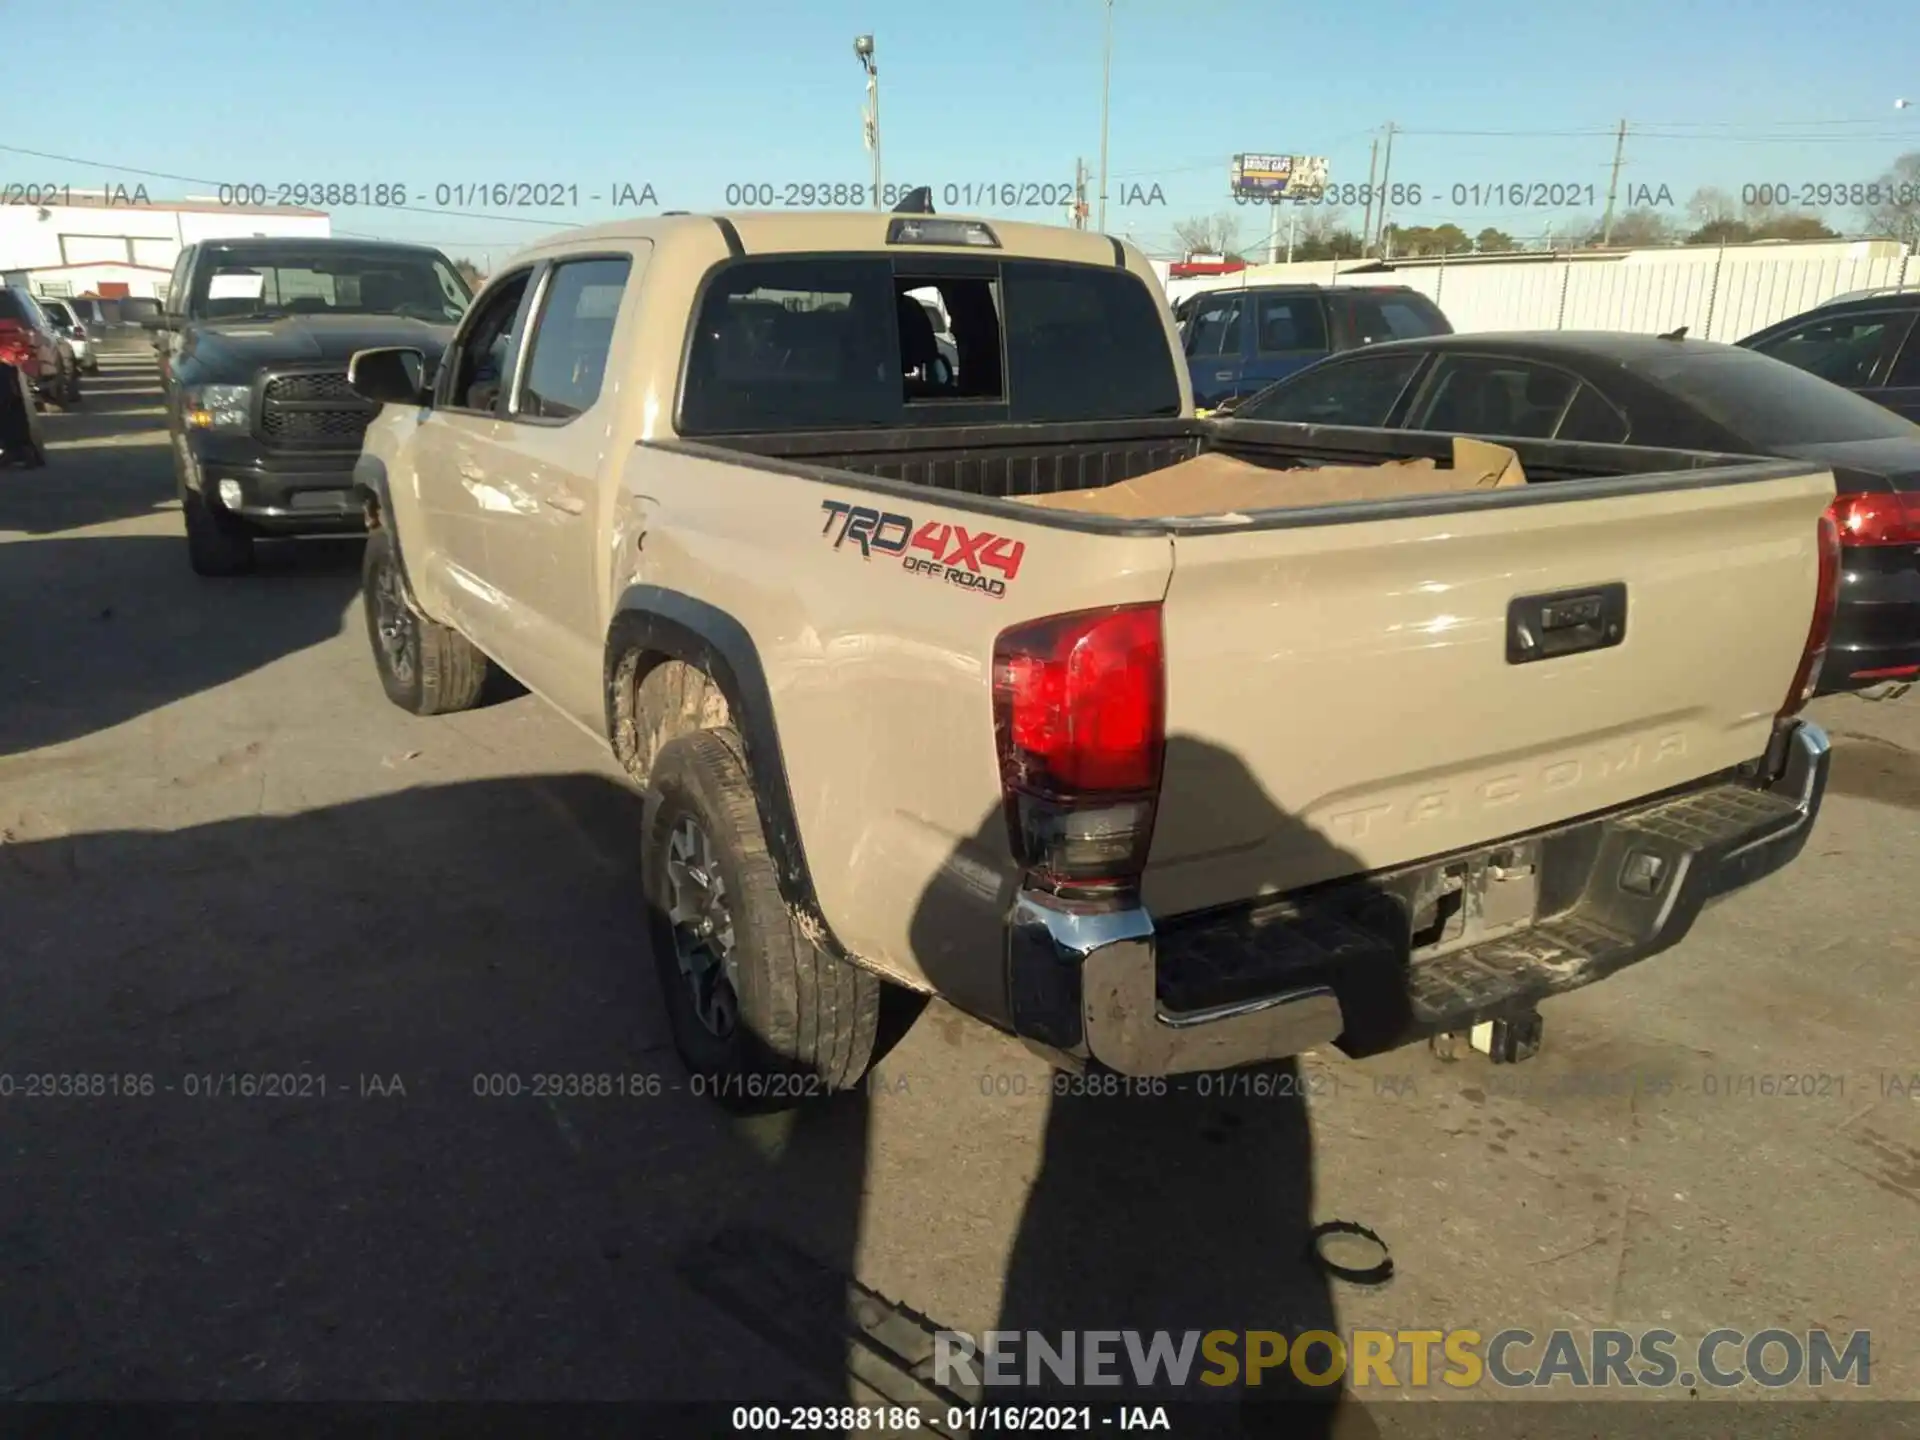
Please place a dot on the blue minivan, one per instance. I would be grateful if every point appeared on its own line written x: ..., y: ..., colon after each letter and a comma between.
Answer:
x: 1240, y: 341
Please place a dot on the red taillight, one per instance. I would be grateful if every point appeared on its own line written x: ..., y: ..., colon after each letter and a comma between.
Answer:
x: 1826, y: 600
x: 17, y: 347
x: 1878, y: 519
x: 1080, y: 722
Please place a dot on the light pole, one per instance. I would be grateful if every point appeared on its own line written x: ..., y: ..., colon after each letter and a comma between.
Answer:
x: 1106, y: 84
x: 863, y: 49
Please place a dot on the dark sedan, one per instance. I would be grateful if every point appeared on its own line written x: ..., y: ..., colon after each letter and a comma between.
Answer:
x: 1674, y: 393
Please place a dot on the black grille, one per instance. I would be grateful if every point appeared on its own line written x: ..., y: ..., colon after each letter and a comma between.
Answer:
x: 311, y: 388
x: 316, y: 408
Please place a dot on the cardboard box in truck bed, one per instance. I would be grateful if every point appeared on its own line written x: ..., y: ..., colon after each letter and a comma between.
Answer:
x: 1219, y: 484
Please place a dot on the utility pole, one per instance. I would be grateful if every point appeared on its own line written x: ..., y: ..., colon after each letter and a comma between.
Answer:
x: 1366, y: 217
x: 1386, y: 177
x: 1079, y: 194
x: 1293, y: 231
x: 1613, y: 184
x: 1106, y: 84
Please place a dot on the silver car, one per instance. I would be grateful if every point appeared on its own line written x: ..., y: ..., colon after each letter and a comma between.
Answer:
x: 73, y: 330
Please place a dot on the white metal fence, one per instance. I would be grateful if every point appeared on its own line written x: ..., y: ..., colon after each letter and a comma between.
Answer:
x: 1718, y: 294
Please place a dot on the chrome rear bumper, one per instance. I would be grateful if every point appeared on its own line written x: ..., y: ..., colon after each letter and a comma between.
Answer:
x: 1091, y: 982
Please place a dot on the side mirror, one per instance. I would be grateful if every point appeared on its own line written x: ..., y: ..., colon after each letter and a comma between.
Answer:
x: 1228, y: 405
x: 391, y: 375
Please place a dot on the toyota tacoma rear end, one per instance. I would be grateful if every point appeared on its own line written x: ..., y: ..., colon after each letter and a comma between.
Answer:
x: 968, y: 671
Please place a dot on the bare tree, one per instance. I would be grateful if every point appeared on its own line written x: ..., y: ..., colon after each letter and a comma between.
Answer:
x: 1710, y: 205
x: 1896, y: 213
x: 1209, y: 234
x: 1643, y: 227
x: 1327, y: 234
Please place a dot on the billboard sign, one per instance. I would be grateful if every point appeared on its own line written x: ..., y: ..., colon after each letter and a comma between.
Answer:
x: 1278, y: 177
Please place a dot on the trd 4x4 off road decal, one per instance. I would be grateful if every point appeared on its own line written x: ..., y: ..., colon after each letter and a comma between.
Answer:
x: 946, y: 552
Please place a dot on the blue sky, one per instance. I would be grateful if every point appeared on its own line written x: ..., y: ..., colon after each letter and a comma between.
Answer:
x: 692, y: 97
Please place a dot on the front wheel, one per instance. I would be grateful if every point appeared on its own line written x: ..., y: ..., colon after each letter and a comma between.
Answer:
x: 761, y: 1015
x: 425, y: 667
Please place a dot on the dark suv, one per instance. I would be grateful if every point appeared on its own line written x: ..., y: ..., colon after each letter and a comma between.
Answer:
x: 1238, y: 342
x: 253, y: 346
x: 1866, y: 342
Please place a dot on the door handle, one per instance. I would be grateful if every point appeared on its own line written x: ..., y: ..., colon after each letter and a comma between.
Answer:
x: 470, y: 471
x: 567, y: 501
x: 1223, y: 374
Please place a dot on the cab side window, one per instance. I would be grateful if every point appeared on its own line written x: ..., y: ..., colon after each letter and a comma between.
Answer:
x: 572, y: 337
x: 485, y: 348
x: 1486, y: 395
x: 1343, y: 392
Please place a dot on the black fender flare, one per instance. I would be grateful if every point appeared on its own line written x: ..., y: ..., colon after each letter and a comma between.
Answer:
x: 655, y: 620
x: 370, y: 486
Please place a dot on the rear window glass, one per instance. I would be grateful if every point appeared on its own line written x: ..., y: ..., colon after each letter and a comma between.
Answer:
x: 865, y: 341
x: 794, y: 345
x: 1085, y: 344
x: 1396, y: 317
x: 12, y: 309
x: 1769, y: 402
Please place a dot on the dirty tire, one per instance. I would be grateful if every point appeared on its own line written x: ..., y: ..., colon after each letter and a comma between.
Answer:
x: 806, y: 1021
x: 436, y: 671
x: 216, y: 544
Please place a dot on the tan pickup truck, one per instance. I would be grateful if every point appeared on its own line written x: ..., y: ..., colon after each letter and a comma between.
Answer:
x: 1158, y: 792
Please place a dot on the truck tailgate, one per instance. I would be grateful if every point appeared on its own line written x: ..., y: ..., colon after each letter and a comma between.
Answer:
x: 1341, y: 697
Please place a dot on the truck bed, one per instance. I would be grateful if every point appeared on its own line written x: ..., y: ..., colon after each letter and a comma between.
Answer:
x: 1001, y: 463
x: 1370, y: 673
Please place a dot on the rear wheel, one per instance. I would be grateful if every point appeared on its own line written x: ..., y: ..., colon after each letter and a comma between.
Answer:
x: 761, y: 1015
x: 65, y: 391
x: 425, y: 668
x: 217, y: 543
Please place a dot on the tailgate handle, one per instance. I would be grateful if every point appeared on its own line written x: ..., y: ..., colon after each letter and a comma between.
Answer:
x: 1567, y: 622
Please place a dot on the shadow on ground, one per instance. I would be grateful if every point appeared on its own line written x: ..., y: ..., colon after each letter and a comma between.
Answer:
x: 97, y: 631
x: 1184, y: 1211
x: 105, y: 461
x: 415, y: 1213
x: 404, y: 1208
x: 1875, y: 769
